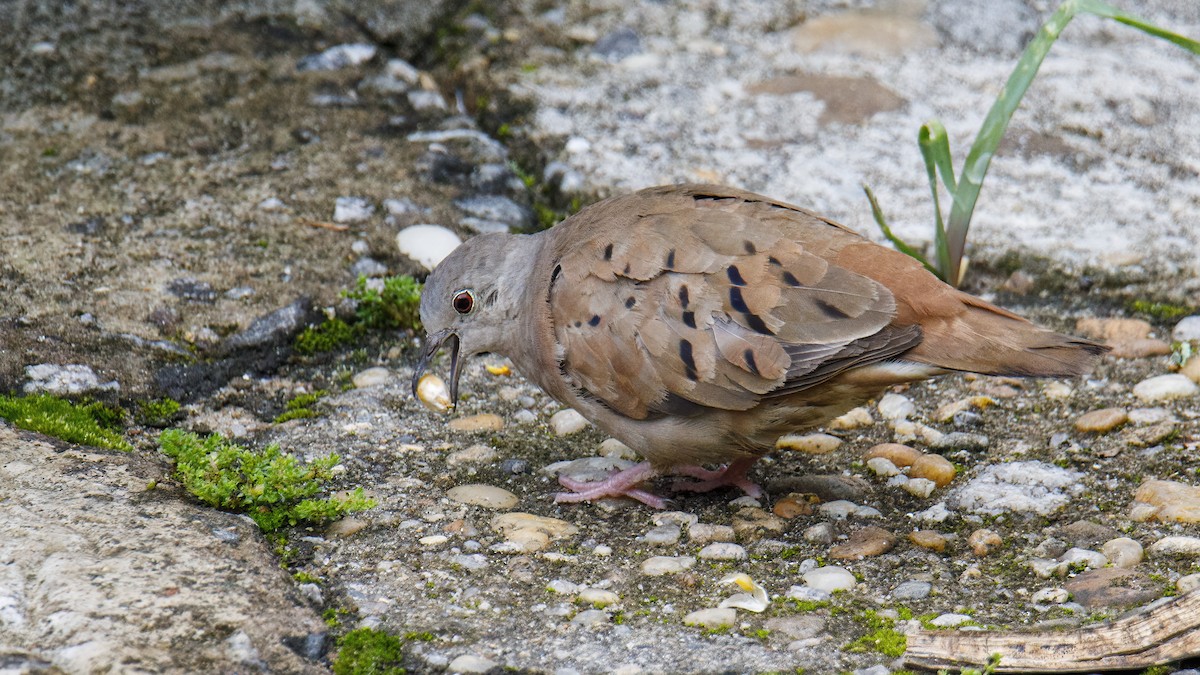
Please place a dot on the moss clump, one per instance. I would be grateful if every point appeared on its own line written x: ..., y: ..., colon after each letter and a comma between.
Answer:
x: 882, y: 636
x: 85, y: 423
x: 366, y: 651
x: 326, y: 337
x: 157, y: 413
x: 393, y: 302
x: 271, y: 487
x: 1159, y: 310
x: 300, y: 407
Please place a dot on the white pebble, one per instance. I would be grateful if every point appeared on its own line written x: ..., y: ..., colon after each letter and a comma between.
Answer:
x: 272, y: 204
x: 1050, y: 596
x: 704, y: 533
x: 919, y: 487
x: 1057, y: 390
x: 1188, y: 328
x: 487, y: 496
x: 590, y: 617
x: 476, y: 454
x: 562, y: 587
x: 895, y: 407
x: 352, y: 210
x: 566, y: 422
x: 524, y: 416
x: 469, y: 663
x: 611, y: 447
x: 830, y: 578
x: 433, y: 540
x: 1165, y: 388
x: 712, y: 618
x: 1144, y: 416
x: 722, y: 551
x: 1081, y: 556
x: 1045, y: 568
x: 1177, y: 545
x: 813, y: 444
x: 1123, y: 552
x: 661, y: 564
x: 427, y: 244
x: 950, y: 620
x: 598, y: 597
x: 882, y: 466
x: 680, y: 518
x: 664, y: 535
x: 808, y: 594
x: 1188, y: 583
x: 839, y: 509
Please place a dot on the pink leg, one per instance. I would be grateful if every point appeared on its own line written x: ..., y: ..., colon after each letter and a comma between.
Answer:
x: 620, y: 484
x: 734, y: 474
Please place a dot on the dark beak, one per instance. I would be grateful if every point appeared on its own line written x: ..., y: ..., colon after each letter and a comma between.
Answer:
x: 433, y: 343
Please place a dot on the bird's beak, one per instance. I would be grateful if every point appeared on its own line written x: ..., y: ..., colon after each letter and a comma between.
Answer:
x: 433, y: 343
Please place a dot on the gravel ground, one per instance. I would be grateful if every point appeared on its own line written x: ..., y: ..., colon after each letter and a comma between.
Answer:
x: 172, y: 214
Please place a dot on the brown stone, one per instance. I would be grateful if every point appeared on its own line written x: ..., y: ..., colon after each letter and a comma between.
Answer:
x: 1176, y: 502
x: 1113, y: 330
x: 1112, y: 587
x: 1191, y: 369
x: 983, y: 542
x: 930, y: 539
x: 867, y: 542
x: 933, y: 467
x: 1139, y: 349
x: 848, y: 100
x: 1150, y: 435
x: 900, y: 455
x: 1100, y: 421
x: 792, y: 506
x: 482, y: 422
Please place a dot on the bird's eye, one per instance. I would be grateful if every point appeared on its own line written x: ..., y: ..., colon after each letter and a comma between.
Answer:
x: 464, y: 301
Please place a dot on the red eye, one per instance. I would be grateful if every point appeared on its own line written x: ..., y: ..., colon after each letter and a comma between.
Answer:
x: 464, y: 302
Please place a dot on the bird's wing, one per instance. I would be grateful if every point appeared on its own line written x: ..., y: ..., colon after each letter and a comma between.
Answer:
x: 711, y: 302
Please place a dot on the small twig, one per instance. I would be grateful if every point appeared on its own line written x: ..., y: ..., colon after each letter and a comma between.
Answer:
x: 1155, y: 636
x: 328, y: 226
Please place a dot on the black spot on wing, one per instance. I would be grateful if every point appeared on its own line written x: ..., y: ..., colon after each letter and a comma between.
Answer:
x: 608, y: 252
x: 749, y: 246
x: 831, y: 310
x: 750, y: 362
x: 689, y: 319
x: 756, y: 324
x: 774, y: 261
x: 671, y: 259
x: 791, y: 280
x: 683, y: 297
x: 737, y: 301
x: 689, y: 362
x: 735, y: 275
x: 554, y: 275
x: 630, y: 302
x: 594, y: 321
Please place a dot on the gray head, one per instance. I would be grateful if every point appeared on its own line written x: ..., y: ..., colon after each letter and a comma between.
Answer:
x: 471, y: 299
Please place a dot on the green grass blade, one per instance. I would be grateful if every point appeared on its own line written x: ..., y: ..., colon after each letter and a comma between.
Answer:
x: 899, y: 243
x: 935, y: 149
x: 1109, y: 12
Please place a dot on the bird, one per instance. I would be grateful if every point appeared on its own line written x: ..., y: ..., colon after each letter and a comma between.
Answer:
x: 699, y: 323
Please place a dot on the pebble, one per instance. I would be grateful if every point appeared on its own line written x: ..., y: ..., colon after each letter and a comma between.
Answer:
x: 895, y: 407
x: 1188, y: 328
x: 1191, y: 369
x: 1173, y: 501
x: 792, y: 506
x: 524, y: 416
x: 1057, y: 390
x: 68, y: 379
x: 425, y: 99
x: 704, y: 533
x: 877, y: 669
x: 821, y: 533
x: 900, y: 455
x: 841, y: 509
x: 930, y: 539
x: 427, y: 244
x: 597, y: 597
x: 882, y: 466
x: 830, y: 578
x: 983, y: 542
x: 1085, y: 557
x: 933, y: 467
x: 1114, y: 329
x: 1050, y: 596
x: 1148, y: 416
x: 1147, y: 436
x: 1177, y: 545
x: 1122, y: 552
x: 611, y: 447
x: 433, y: 540
x: 950, y: 620
x: 487, y: 496
x: 590, y: 618
x: 532, y: 533
x: 567, y: 422
x: 1187, y: 583
x: 813, y: 444
x: 1139, y: 349
x: 349, y: 210
x: 475, y: 454
x: 1100, y: 421
x: 481, y: 422
x: 338, y: 57
x: 712, y: 618
x: 344, y: 527
x: 496, y: 209
x: 857, y: 418
x: 562, y: 587
x: 664, y: 535
x: 659, y: 565
x: 864, y: 543
x: 469, y: 663
x: 680, y: 518
x: 960, y: 440
x: 1045, y: 568
x: 921, y: 488
x: 1165, y: 388
x: 1112, y: 587
x: 912, y: 590
x: 946, y: 412
x: 722, y: 551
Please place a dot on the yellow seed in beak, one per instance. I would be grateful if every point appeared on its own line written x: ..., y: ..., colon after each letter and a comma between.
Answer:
x: 433, y: 394
x: 500, y: 371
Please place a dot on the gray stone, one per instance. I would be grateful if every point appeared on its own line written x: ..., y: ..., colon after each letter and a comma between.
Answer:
x: 618, y: 44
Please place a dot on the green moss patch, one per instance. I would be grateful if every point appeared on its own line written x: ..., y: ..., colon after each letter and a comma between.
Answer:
x: 366, y: 651
x: 93, y: 424
x: 275, y: 489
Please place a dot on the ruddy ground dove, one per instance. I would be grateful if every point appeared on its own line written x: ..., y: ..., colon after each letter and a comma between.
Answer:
x: 698, y: 323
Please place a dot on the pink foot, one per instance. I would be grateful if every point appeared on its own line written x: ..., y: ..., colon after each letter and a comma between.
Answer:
x: 620, y: 484
x: 734, y: 474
